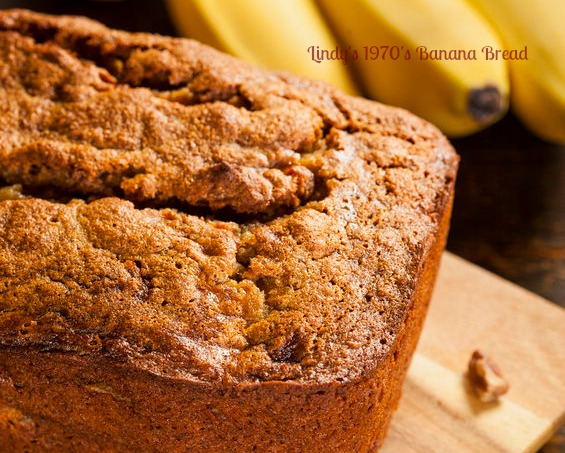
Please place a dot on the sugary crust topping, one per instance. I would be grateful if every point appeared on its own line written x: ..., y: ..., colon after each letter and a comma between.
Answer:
x: 300, y: 220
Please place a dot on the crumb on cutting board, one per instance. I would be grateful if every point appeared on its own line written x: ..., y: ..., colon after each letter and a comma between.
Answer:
x: 485, y: 378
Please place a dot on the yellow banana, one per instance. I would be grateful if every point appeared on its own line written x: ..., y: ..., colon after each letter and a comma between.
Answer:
x: 537, y: 93
x: 400, y: 62
x: 274, y: 34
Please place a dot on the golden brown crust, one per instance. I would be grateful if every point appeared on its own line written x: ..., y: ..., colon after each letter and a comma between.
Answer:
x: 290, y: 244
x: 99, y: 405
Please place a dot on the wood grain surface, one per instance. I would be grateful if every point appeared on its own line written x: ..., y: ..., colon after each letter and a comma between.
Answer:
x: 522, y: 332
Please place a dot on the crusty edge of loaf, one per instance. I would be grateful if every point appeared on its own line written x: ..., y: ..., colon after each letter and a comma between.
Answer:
x: 53, y: 400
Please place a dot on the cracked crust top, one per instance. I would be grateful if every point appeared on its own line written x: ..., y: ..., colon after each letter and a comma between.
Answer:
x: 280, y: 225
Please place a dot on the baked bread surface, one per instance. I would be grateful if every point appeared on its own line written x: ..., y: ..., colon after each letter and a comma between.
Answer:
x: 205, y: 255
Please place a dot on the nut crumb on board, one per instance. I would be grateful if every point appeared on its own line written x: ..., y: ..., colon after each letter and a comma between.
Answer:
x: 485, y: 378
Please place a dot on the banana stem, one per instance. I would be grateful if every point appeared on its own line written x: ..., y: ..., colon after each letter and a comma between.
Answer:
x: 485, y: 103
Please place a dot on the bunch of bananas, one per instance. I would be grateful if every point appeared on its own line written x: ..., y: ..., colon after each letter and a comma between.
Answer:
x: 457, y: 63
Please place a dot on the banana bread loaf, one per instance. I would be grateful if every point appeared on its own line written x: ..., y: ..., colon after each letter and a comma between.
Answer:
x: 199, y: 255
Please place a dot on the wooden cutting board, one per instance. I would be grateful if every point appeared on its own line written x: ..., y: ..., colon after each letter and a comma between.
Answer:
x: 523, y: 333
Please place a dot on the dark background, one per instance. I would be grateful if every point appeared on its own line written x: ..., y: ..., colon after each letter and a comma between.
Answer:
x: 509, y: 214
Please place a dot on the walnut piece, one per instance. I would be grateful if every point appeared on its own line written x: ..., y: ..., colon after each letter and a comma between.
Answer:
x: 485, y: 379
x: 11, y: 192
